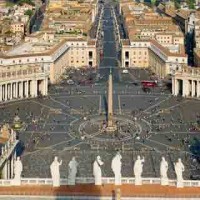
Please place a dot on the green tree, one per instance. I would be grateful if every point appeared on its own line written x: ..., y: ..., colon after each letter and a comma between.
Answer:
x: 191, y: 4
x: 21, y: 2
x: 28, y: 12
x: 195, y: 148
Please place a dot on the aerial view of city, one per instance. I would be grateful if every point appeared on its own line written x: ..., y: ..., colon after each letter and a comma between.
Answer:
x: 99, y: 99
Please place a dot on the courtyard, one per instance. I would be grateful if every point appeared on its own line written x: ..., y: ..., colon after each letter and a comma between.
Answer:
x: 156, y: 124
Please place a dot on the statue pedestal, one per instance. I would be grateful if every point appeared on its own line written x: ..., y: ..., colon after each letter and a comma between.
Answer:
x: 111, y: 128
x: 16, y: 182
x: 179, y: 184
x: 118, y: 180
x: 164, y: 181
x: 71, y: 181
x: 138, y: 180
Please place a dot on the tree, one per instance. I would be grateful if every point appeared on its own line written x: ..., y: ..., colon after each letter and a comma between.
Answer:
x: 21, y: 2
x: 28, y: 12
x: 191, y: 4
x: 195, y: 148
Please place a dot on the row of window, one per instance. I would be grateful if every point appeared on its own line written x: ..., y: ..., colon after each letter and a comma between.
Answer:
x: 29, y: 60
x: 145, y: 44
x: 77, y: 44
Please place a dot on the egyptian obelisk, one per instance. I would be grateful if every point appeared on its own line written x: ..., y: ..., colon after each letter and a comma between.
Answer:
x: 111, y: 126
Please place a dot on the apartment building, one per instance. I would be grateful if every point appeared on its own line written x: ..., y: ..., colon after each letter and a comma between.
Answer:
x: 18, y: 27
x: 43, y: 56
x: 154, y: 41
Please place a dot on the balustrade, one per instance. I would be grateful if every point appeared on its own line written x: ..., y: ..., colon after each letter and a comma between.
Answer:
x: 89, y: 180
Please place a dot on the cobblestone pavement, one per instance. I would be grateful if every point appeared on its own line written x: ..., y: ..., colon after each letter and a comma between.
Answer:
x: 50, y: 130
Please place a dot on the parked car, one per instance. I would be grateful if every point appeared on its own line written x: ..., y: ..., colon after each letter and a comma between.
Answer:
x: 70, y: 82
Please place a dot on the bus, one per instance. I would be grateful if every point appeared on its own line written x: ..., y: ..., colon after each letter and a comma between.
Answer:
x: 149, y: 84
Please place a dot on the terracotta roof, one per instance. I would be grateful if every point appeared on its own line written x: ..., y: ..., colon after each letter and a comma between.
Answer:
x: 125, y: 42
x: 183, y: 13
x: 127, y: 190
x: 166, y: 51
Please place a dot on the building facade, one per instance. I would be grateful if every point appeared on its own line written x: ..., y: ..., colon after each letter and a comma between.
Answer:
x: 186, y: 82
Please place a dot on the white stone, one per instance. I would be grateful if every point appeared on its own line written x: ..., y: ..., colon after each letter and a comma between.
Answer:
x: 97, y: 170
x: 72, y: 171
x: 55, y: 172
x: 163, y: 172
x: 179, y: 169
x: 18, y: 168
x: 116, y: 168
x: 138, y: 169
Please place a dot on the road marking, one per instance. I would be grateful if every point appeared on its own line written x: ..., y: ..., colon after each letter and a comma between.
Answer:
x: 119, y: 102
x: 156, y: 104
x: 148, y: 146
x: 168, y: 108
x: 170, y: 147
x: 46, y: 148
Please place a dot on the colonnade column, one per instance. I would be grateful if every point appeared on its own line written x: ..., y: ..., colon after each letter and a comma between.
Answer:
x: 21, y: 87
x: 176, y: 87
x: 16, y: 90
x: 173, y: 85
x: 1, y: 92
x: 8, y: 91
x: 11, y: 91
x: 6, y: 94
x: 26, y: 89
x: 45, y: 86
x: 193, y: 88
x: 198, y: 89
x: 34, y: 88
x: 185, y: 87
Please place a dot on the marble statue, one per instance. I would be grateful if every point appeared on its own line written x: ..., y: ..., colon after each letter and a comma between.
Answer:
x: 163, y: 171
x: 18, y: 168
x: 138, y: 168
x: 72, y: 171
x: 179, y: 169
x: 116, y: 166
x: 2, y: 150
x: 97, y: 170
x: 55, y: 172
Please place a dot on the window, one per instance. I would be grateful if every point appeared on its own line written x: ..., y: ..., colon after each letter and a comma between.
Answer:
x: 90, y: 63
x: 126, y: 64
x: 90, y: 54
x: 127, y: 55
